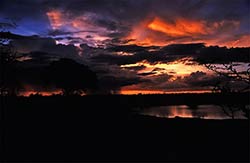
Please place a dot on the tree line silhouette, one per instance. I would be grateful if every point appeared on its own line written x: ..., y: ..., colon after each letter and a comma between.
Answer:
x: 65, y: 74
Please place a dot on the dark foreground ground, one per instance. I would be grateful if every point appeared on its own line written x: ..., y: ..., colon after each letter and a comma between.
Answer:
x: 70, y: 129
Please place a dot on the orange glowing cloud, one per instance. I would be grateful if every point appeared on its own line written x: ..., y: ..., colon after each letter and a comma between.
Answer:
x: 55, y: 18
x: 181, y: 27
x: 160, y: 32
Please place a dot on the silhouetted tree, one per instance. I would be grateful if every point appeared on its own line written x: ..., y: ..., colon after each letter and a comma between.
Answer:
x: 72, y: 77
x: 232, y: 76
x: 230, y: 72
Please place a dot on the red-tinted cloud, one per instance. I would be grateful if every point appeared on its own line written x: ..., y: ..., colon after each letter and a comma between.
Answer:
x: 157, y: 31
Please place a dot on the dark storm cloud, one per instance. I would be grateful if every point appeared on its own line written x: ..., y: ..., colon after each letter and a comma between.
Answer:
x: 138, y: 54
x: 199, y: 52
x: 127, y: 48
x: 182, y: 49
x: 201, y: 79
x: 195, y: 81
x: 27, y: 44
x: 151, y: 57
x: 215, y: 54
x: 208, y: 54
x: 61, y: 32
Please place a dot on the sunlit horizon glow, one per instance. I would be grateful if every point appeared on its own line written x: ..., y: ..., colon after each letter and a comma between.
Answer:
x: 41, y: 93
x: 123, y: 92
x: 126, y: 91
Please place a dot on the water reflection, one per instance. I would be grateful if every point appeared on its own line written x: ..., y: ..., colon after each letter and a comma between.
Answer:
x: 184, y: 111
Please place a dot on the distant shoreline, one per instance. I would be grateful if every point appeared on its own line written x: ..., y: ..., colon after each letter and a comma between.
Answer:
x: 145, y: 100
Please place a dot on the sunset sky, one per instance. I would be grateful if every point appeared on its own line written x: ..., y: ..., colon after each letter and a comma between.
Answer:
x: 134, y: 46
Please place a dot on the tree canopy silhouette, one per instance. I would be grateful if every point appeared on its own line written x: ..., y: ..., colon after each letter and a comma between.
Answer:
x: 72, y: 77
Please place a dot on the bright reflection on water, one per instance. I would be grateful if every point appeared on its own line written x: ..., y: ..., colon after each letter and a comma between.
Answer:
x: 184, y: 111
